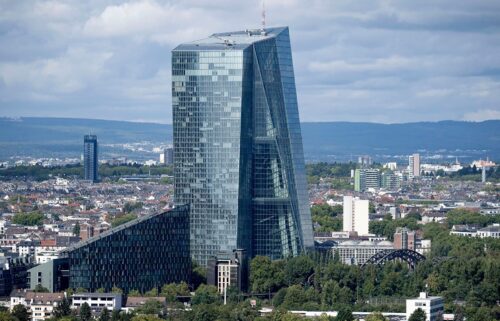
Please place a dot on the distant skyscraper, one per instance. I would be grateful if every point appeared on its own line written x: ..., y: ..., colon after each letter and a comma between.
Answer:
x: 414, y: 166
x: 355, y: 215
x: 238, y: 147
x: 90, y: 161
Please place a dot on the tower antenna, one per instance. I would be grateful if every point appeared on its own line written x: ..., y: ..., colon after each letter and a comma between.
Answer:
x: 263, y: 15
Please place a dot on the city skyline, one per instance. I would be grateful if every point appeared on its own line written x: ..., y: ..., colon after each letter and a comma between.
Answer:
x: 384, y: 62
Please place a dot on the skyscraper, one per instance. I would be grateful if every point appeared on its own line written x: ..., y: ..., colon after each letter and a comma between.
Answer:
x: 238, y: 155
x: 90, y: 162
x: 414, y: 166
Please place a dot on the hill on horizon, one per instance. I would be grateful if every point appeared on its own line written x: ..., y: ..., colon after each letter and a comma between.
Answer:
x: 323, y: 141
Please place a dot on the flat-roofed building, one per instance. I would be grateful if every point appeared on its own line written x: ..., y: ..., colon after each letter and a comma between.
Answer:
x: 97, y: 301
x: 432, y: 306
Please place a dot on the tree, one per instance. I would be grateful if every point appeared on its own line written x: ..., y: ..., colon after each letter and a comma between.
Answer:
x: 206, y: 294
x: 115, y: 315
x: 172, y: 290
x: 63, y: 308
x: 146, y: 317
x: 266, y: 275
x: 295, y: 297
x: 344, y: 314
x: 104, y: 315
x: 152, y: 293
x: 134, y: 293
x: 417, y: 315
x: 6, y: 316
x: 116, y: 290
x: 41, y: 289
x: 298, y: 269
x: 376, y: 316
x: 21, y: 313
x: 151, y: 306
x: 30, y: 219
x: 85, y: 312
x: 101, y: 290
x: 76, y: 229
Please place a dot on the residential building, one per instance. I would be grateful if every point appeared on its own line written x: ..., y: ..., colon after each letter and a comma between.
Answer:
x: 238, y: 157
x: 358, y: 252
x: 395, y: 213
x: 414, y: 166
x: 355, y: 215
x: 404, y: 239
x: 490, y: 231
x: 167, y: 156
x: 432, y: 306
x: 90, y: 160
x: 40, y: 306
x: 142, y: 254
x: 390, y: 181
x: 464, y: 229
x: 423, y: 247
x: 226, y: 270
x: 366, y: 178
x: 97, y: 301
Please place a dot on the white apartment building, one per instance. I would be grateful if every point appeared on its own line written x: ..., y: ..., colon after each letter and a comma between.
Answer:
x: 431, y: 305
x: 414, y: 166
x: 97, y: 301
x: 40, y: 305
x: 355, y: 216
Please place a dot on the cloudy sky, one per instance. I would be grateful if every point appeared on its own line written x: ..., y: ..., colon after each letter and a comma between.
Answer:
x: 377, y: 61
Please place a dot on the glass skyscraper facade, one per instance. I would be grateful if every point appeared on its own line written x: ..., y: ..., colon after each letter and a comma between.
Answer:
x: 139, y: 255
x: 90, y: 162
x: 238, y: 151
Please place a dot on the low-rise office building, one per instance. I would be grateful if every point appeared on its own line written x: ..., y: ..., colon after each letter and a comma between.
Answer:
x: 432, y: 306
x: 97, y: 301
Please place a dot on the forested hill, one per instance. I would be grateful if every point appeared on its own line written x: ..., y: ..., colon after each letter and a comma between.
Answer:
x: 327, y: 141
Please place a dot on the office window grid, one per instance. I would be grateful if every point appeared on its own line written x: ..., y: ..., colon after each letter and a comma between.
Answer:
x: 237, y: 147
x: 141, y: 255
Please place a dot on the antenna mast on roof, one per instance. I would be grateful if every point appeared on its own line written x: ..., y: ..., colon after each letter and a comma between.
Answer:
x: 263, y: 15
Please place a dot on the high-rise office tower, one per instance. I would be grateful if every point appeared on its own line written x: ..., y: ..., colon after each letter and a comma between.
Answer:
x: 414, y: 166
x: 90, y: 162
x: 355, y: 215
x: 238, y: 155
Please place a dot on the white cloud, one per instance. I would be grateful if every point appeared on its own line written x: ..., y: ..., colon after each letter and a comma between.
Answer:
x: 65, y: 74
x: 360, y: 61
x: 483, y: 114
